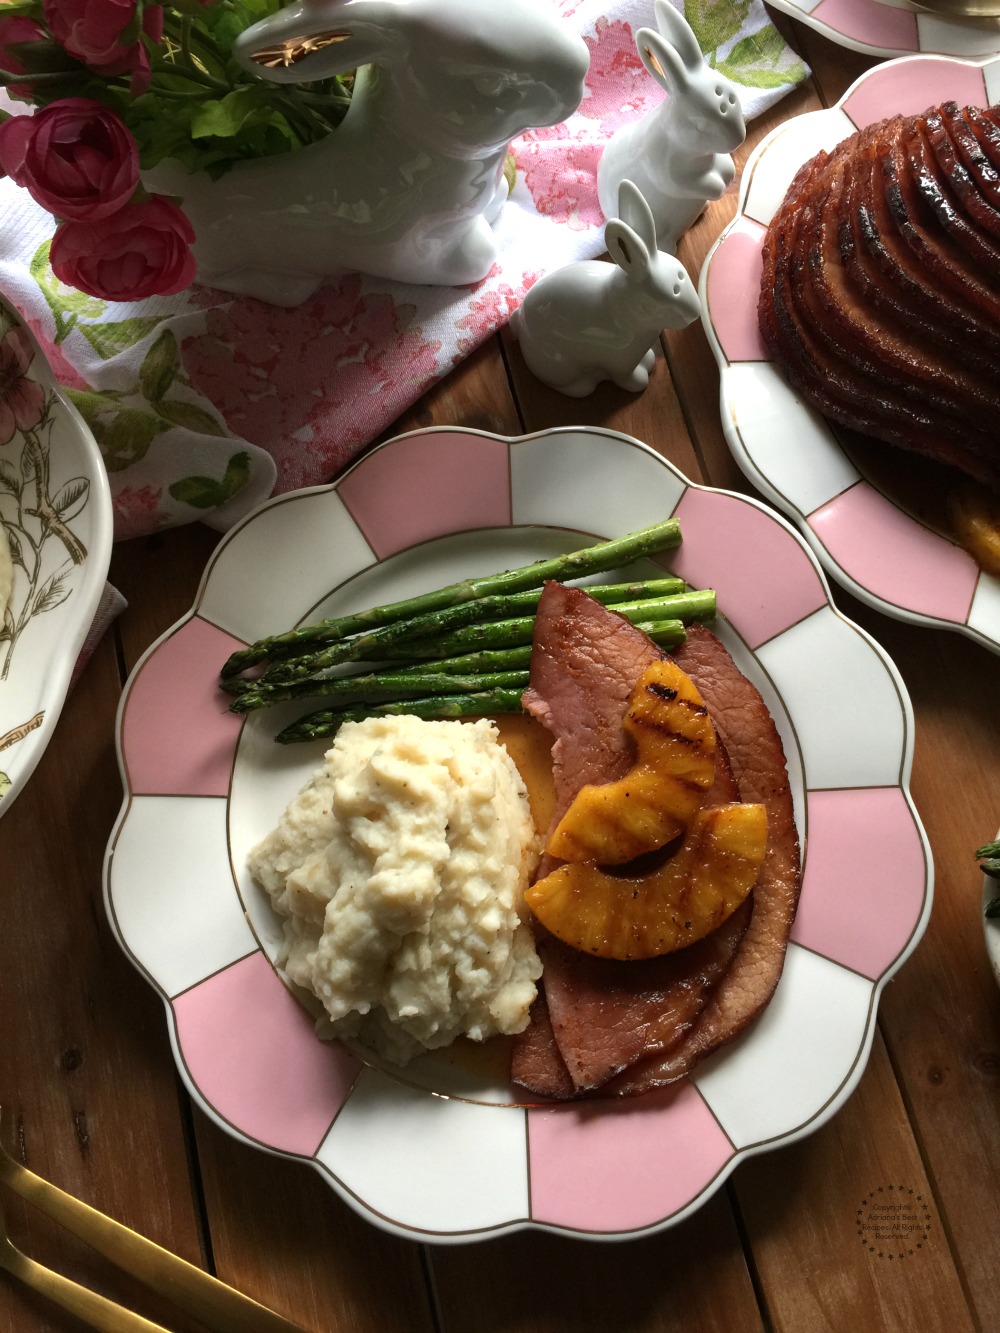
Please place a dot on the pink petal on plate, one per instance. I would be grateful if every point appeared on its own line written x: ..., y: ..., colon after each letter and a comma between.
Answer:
x: 865, y: 879
x: 894, y: 557
x: 621, y: 1165
x: 178, y: 681
x: 415, y: 489
x: 909, y: 87
x: 763, y: 575
x: 251, y: 1051
x: 735, y: 272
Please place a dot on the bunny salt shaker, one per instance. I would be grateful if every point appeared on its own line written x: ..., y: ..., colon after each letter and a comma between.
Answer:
x: 678, y: 153
x: 409, y: 184
x: 593, y: 321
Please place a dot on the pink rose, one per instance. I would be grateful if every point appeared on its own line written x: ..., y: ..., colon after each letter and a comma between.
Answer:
x: 15, y: 29
x: 93, y: 32
x: 142, y: 250
x: 74, y: 157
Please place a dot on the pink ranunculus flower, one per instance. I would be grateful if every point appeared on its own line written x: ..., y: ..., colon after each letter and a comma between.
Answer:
x: 22, y: 401
x: 74, y: 157
x: 142, y: 250
x: 14, y: 29
x: 92, y: 32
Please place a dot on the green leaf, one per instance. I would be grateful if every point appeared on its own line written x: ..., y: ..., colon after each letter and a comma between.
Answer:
x: 206, y: 492
x: 762, y: 78
x: 115, y: 336
x: 191, y: 417
x: 237, y: 473
x: 715, y: 22
x: 756, y: 61
x: 227, y: 116
x: 123, y: 434
x: 160, y: 367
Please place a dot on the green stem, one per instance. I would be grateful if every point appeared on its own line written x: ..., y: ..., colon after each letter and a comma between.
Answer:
x: 319, y: 725
x: 501, y: 606
x: 594, y: 559
x: 379, y: 687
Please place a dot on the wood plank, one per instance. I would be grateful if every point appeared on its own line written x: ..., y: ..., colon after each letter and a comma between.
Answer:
x: 690, y: 358
x: 280, y: 1233
x: 804, y: 1206
x: 941, y: 1015
x: 688, y: 1279
x: 88, y: 1084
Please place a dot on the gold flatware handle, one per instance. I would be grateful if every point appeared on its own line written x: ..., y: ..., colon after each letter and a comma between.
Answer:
x: 88, y: 1306
x: 222, y: 1308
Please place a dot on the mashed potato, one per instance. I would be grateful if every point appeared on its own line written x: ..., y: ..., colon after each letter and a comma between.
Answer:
x: 400, y: 869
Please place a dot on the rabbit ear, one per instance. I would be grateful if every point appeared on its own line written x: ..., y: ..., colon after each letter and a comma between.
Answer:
x: 661, y: 60
x: 318, y: 40
x: 678, y: 32
x: 627, y: 249
x: 636, y: 213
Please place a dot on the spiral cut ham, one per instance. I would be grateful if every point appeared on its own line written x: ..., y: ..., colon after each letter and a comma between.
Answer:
x: 621, y: 1028
x: 880, y: 285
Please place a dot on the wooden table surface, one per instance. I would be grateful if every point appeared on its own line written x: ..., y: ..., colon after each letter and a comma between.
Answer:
x: 91, y: 1099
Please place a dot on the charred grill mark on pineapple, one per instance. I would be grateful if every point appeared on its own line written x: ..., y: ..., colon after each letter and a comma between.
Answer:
x: 674, y: 766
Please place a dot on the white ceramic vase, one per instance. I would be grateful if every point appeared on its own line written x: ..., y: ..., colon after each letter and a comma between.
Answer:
x: 409, y: 185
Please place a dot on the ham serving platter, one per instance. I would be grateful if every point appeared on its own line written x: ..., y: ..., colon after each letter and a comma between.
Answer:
x: 883, y: 555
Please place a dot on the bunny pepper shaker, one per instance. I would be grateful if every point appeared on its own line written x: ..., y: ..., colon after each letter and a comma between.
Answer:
x: 679, y: 154
x: 593, y: 321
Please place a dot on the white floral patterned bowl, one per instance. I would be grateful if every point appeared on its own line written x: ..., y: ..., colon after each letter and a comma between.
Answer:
x: 445, y: 1150
x: 55, y: 508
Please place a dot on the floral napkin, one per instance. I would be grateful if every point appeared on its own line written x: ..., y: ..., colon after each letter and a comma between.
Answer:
x: 204, y: 404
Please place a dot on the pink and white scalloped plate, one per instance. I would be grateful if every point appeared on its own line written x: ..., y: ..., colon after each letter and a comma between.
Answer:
x: 894, y: 27
x: 866, y: 542
x: 446, y: 1150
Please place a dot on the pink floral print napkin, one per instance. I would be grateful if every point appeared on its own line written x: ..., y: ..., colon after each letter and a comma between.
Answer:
x: 204, y: 404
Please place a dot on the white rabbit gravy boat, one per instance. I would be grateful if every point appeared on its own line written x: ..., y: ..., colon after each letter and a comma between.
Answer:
x: 591, y: 321
x: 408, y: 185
x: 680, y: 153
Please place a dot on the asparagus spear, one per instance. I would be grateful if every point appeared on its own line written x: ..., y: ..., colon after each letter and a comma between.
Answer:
x: 501, y: 633
x: 575, y: 564
x: 470, y: 664
x: 420, y: 681
x: 326, y: 723
x: 379, y: 686
x: 423, y: 637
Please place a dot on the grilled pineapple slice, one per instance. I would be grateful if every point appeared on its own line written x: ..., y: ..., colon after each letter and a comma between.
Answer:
x: 687, y: 897
x: 674, y: 766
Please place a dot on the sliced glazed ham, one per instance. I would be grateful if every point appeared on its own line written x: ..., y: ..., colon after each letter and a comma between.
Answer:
x: 880, y: 285
x: 598, y: 1020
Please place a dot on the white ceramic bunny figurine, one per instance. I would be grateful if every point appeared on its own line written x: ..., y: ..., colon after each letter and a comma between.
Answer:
x: 593, y: 321
x: 679, y: 154
x: 408, y: 185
